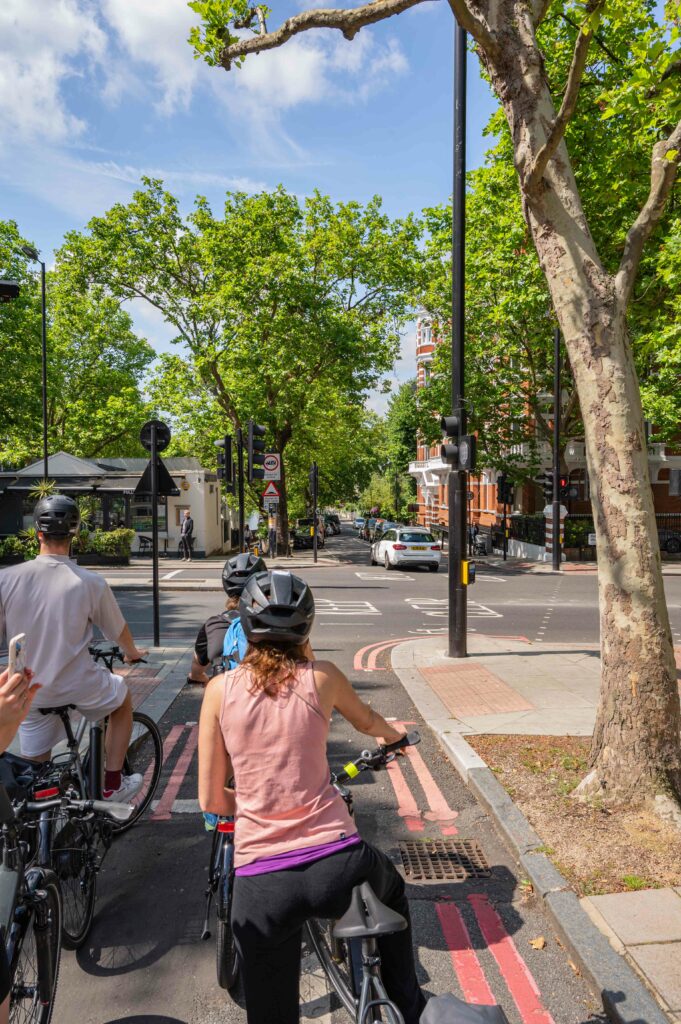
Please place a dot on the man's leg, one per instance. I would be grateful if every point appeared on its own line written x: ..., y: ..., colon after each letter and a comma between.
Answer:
x: 118, y: 735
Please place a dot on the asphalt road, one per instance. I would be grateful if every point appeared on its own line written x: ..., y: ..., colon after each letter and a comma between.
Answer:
x: 352, y: 595
x: 144, y: 962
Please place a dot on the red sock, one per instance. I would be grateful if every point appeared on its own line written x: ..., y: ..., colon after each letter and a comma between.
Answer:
x: 112, y: 780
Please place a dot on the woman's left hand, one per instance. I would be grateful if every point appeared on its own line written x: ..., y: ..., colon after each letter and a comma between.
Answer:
x: 16, y: 696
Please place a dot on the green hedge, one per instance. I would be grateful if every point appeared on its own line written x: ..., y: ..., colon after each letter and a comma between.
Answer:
x: 577, y: 532
x: 101, y: 542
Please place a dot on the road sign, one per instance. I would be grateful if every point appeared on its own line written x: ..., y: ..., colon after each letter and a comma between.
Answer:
x: 166, y: 484
x: 272, y: 466
x: 592, y: 540
x: 162, y: 435
x: 271, y: 491
x: 272, y: 505
x: 470, y: 495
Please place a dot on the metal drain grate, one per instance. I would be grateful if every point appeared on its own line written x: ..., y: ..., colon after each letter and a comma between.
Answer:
x: 442, y: 860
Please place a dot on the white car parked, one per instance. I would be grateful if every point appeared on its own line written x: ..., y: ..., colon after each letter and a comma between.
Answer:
x: 407, y: 545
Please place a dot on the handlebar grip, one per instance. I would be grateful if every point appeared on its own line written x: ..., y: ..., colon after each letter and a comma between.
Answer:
x: 410, y: 740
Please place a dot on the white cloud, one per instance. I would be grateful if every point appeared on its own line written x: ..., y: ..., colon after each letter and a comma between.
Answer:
x: 39, y: 46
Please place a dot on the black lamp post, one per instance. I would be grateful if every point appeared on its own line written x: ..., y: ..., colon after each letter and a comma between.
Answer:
x: 457, y: 480
x: 32, y: 254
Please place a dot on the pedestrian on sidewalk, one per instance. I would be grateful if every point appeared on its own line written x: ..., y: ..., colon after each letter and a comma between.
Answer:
x: 297, y: 852
x: 186, y: 536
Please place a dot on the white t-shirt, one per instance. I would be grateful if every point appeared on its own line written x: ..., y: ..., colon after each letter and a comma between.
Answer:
x: 55, y: 603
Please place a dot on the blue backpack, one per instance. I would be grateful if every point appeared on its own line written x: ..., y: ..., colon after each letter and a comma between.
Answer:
x: 235, y: 644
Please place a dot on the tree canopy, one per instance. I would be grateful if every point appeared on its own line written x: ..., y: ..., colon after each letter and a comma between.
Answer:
x: 96, y: 365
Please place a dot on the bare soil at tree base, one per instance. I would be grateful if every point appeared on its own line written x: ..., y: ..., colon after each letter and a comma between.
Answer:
x: 598, y: 849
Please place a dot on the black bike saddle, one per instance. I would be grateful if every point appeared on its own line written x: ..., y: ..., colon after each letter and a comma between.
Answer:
x: 367, y: 917
x: 63, y: 710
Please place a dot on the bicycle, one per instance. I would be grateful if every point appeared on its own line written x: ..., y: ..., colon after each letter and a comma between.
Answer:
x: 347, y: 950
x: 220, y: 884
x: 74, y: 844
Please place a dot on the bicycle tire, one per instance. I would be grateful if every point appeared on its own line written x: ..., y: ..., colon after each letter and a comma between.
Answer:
x: 226, y: 952
x: 333, y: 956
x: 25, y: 966
x: 73, y: 856
x: 144, y: 755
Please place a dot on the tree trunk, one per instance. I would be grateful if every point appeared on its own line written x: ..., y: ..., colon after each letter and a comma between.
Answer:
x: 636, y: 747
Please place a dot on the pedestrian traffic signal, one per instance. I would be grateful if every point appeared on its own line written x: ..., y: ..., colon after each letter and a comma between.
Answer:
x: 313, y: 477
x: 225, y: 463
x: 256, y: 451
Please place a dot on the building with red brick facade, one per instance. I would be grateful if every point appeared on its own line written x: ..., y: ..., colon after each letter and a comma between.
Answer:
x: 430, y: 471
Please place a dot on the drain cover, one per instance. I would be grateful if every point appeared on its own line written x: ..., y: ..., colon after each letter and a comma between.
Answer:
x: 442, y: 860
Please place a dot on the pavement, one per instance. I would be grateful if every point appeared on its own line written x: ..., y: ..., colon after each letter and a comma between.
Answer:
x: 510, y: 686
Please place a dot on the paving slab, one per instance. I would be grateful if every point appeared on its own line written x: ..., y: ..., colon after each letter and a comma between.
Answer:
x: 652, y: 915
x: 660, y: 963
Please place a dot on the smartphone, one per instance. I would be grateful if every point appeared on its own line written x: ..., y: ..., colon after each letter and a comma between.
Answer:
x: 17, y: 658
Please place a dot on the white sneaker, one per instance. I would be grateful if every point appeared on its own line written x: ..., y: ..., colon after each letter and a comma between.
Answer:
x: 129, y: 787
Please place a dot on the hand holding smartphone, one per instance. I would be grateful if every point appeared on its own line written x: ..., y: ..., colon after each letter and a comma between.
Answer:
x: 17, y: 656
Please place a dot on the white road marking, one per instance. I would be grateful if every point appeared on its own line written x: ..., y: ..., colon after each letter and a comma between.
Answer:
x: 437, y: 608
x: 384, y: 576
x: 327, y: 607
x: 169, y: 576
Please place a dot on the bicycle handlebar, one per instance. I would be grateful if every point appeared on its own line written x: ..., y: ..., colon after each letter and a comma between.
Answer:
x: 119, y: 812
x: 376, y: 759
x: 110, y: 651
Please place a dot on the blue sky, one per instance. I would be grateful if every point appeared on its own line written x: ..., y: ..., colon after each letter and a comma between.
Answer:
x: 95, y: 93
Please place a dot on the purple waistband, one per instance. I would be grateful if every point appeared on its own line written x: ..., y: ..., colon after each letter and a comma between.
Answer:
x: 296, y: 858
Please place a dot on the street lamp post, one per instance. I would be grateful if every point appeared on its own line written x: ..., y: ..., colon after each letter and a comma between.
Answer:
x: 457, y: 480
x: 32, y: 254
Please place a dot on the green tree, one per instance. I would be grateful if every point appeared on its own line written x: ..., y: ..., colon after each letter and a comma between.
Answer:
x: 538, y: 54
x: 95, y: 368
x: 278, y: 303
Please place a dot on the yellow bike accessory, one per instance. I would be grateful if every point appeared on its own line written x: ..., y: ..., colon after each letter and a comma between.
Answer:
x: 351, y: 769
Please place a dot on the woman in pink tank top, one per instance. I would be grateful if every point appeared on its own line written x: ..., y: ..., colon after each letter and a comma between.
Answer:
x: 297, y: 851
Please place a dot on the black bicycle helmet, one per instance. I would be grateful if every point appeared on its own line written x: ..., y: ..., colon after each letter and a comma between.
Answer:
x: 57, y: 516
x: 238, y: 569
x: 276, y: 607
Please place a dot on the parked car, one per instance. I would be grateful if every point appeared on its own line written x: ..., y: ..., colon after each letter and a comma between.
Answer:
x: 377, y: 528
x: 365, y: 532
x: 407, y: 545
x: 670, y: 541
x: 358, y: 523
x: 380, y: 528
x: 302, y: 534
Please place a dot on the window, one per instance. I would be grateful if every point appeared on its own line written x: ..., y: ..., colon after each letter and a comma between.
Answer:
x: 389, y: 535
x: 426, y: 374
x: 140, y: 515
x: 179, y: 513
x: 426, y: 334
x: 417, y: 538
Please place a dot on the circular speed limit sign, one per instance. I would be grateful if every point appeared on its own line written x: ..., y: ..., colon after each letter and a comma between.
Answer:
x: 162, y: 435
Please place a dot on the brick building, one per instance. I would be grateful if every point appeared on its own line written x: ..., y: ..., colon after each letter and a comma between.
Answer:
x: 430, y: 471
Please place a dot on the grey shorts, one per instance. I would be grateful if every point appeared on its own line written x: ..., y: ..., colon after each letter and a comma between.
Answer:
x: 39, y: 733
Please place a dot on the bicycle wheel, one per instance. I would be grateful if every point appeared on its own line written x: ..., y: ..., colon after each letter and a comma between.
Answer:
x: 334, y: 958
x: 73, y: 858
x: 144, y: 756
x: 28, y: 967
x: 227, y: 957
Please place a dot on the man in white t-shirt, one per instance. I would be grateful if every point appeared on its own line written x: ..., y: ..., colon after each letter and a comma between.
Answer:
x: 56, y: 603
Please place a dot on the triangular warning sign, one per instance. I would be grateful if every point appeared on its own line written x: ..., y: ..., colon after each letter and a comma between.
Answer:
x: 270, y: 491
x: 166, y: 484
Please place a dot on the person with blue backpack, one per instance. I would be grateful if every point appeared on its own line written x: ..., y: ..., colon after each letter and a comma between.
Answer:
x: 223, y: 635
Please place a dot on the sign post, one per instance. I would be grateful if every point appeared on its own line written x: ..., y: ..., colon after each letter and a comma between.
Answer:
x: 314, y: 487
x: 155, y: 437
x: 240, y: 487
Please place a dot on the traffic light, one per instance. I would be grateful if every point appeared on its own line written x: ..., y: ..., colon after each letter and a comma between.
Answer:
x: 564, y: 488
x: 256, y: 451
x: 225, y: 463
x: 9, y: 290
x: 505, y: 490
x: 545, y: 481
x: 313, y: 477
x: 460, y: 450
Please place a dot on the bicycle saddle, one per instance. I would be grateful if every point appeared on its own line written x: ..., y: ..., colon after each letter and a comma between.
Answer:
x: 367, y: 917
x: 447, y: 1009
x: 63, y: 710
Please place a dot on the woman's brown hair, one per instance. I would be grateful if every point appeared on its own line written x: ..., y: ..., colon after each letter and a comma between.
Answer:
x: 273, y: 666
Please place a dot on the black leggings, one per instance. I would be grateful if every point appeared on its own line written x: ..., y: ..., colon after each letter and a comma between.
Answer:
x: 268, y: 913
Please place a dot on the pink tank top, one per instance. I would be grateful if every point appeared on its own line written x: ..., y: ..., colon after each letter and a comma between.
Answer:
x: 278, y: 750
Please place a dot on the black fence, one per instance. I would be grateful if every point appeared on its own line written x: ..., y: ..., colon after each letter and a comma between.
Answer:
x: 530, y: 529
x: 578, y: 528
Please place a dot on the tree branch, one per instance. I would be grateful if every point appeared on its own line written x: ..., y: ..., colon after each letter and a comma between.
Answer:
x: 348, y: 22
x: 663, y: 171
x: 567, y: 107
x: 540, y: 8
